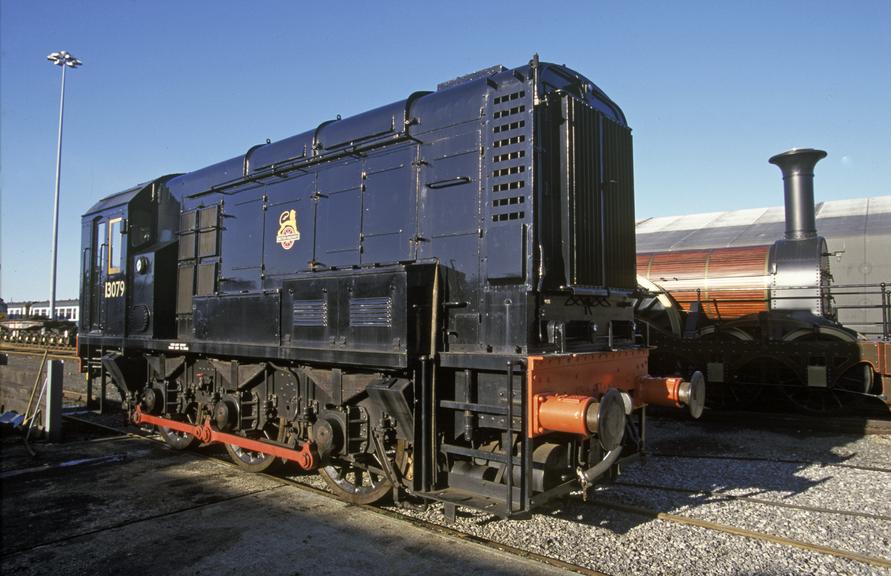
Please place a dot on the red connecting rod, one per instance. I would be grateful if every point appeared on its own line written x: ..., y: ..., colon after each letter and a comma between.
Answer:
x: 303, y: 457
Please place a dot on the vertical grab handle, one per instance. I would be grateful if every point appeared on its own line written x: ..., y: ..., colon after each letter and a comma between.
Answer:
x: 509, y: 437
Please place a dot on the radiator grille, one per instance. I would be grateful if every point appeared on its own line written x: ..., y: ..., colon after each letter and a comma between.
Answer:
x: 620, y: 246
x: 599, y: 186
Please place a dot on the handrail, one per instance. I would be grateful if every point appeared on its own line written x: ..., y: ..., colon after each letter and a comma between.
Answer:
x: 842, y: 292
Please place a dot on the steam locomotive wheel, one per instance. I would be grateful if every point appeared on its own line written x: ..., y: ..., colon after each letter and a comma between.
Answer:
x: 254, y: 461
x: 860, y: 379
x: 181, y: 440
x: 827, y: 400
x: 844, y: 394
x: 809, y: 400
x: 658, y: 309
x: 743, y: 392
x: 358, y: 483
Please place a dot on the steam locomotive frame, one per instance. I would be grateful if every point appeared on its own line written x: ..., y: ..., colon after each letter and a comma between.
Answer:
x: 432, y: 298
x: 759, y: 318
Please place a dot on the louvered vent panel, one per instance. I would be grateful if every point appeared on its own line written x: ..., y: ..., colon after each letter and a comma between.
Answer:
x: 508, y: 143
x: 310, y: 313
x: 371, y: 312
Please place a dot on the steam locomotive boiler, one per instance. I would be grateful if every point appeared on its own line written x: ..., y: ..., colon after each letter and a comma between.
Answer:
x: 432, y: 298
x: 764, y: 316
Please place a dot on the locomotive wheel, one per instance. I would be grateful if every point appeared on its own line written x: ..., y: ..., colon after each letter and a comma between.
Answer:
x: 180, y: 440
x: 255, y: 461
x: 837, y: 398
x: 817, y: 401
x: 358, y: 483
x: 658, y: 310
x: 860, y: 378
x: 743, y: 392
x: 847, y: 393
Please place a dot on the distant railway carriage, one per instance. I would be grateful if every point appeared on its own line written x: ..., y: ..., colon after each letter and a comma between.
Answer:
x: 430, y: 298
x: 30, y: 323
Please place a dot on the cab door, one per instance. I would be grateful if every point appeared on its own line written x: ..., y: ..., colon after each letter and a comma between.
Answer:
x: 93, y: 267
x: 113, y: 295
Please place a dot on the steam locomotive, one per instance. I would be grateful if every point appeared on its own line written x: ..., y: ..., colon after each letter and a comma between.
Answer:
x: 431, y: 299
x: 764, y: 318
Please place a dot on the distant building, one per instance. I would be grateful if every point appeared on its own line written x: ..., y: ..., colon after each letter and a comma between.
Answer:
x: 65, y: 309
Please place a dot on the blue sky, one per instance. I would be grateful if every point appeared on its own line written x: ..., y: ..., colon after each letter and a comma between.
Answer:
x: 711, y: 89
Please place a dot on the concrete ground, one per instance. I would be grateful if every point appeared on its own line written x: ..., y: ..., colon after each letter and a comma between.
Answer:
x: 127, y: 505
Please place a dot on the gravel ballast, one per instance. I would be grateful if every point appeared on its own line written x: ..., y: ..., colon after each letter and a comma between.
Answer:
x: 779, y: 467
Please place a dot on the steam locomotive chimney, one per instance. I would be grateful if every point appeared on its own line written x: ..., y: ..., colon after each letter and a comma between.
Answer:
x: 797, y: 166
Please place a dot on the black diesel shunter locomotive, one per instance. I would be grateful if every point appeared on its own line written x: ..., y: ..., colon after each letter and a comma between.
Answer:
x: 432, y: 298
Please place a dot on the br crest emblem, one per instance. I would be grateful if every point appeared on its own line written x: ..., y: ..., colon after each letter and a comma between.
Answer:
x: 288, y: 233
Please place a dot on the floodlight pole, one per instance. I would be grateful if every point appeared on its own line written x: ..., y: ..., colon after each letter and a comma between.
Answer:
x: 64, y: 60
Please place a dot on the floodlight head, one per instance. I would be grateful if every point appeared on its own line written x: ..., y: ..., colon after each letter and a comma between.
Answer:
x: 63, y: 58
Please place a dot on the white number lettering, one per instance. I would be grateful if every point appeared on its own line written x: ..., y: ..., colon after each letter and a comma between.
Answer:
x: 114, y: 289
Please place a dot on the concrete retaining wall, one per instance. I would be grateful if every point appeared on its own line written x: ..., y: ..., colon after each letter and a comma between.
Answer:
x: 17, y: 382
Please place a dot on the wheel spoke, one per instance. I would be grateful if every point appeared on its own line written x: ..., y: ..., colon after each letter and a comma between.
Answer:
x: 251, y: 460
x: 355, y: 482
x: 181, y: 440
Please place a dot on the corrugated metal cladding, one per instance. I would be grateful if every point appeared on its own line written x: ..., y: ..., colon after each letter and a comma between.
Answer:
x: 857, y: 231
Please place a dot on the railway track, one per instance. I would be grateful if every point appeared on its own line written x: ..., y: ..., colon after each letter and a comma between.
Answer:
x: 721, y: 495
x: 751, y: 534
x: 869, y: 423
x: 661, y: 454
x: 639, y: 511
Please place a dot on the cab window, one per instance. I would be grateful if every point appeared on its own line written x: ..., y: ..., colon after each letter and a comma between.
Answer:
x: 100, y: 244
x: 115, y: 254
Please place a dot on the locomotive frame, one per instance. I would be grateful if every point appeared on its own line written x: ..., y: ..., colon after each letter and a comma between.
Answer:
x: 429, y: 299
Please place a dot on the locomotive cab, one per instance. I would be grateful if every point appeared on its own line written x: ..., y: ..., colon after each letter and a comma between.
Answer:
x: 127, y: 238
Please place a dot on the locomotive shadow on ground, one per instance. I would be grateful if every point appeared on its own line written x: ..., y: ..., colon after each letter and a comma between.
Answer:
x: 155, y: 510
x: 770, y: 466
